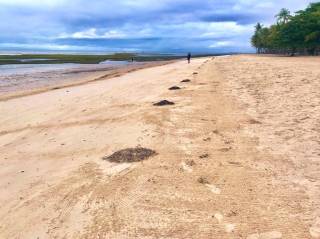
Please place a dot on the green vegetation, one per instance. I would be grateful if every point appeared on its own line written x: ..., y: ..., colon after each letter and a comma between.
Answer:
x: 81, y: 59
x: 292, y: 34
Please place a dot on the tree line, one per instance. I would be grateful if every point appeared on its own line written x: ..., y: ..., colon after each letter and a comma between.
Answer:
x: 291, y: 34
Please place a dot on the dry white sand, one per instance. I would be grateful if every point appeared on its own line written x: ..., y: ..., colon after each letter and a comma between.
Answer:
x: 247, y: 125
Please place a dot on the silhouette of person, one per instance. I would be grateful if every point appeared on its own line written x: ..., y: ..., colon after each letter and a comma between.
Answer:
x: 189, y: 57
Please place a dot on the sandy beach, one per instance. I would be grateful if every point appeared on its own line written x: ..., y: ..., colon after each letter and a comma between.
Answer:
x: 237, y: 155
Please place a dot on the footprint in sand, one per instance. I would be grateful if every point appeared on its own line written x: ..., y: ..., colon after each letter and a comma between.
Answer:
x: 228, y: 227
x: 315, y: 229
x: 185, y: 167
x: 214, y: 189
x: 266, y: 235
x: 219, y: 217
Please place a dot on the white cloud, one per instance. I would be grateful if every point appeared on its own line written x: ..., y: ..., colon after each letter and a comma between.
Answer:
x: 92, y: 33
x: 222, y: 44
x: 41, y: 46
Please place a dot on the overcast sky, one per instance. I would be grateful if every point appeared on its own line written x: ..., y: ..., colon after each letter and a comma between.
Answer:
x: 135, y: 25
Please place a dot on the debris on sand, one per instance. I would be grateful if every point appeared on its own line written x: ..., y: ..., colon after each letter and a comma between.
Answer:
x: 185, y: 81
x: 234, y: 163
x: 253, y: 121
x: 175, y: 88
x: 190, y: 163
x: 203, y: 180
x: 163, y: 103
x: 195, y: 73
x: 130, y: 155
x: 203, y: 156
x: 224, y: 150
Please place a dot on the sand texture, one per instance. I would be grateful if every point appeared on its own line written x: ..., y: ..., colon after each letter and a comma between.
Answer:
x: 236, y: 156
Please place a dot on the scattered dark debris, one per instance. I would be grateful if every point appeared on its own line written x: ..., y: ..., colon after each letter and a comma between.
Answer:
x: 203, y: 180
x: 304, y: 118
x: 253, y: 121
x: 175, y: 88
x: 228, y: 141
x: 190, y: 163
x: 232, y: 214
x: 203, y: 156
x: 225, y: 149
x: 151, y: 180
x: 234, y: 163
x: 130, y: 155
x: 163, y: 103
x: 195, y: 73
x: 22, y: 171
x: 207, y: 139
x: 185, y: 81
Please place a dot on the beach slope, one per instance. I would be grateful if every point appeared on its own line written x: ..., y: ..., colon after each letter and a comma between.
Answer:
x: 236, y: 155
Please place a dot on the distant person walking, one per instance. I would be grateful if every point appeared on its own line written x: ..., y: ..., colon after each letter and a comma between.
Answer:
x: 189, y: 57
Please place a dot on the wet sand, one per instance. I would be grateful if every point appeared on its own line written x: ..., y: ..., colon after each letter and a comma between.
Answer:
x: 237, y: 154
x: 33, y: 79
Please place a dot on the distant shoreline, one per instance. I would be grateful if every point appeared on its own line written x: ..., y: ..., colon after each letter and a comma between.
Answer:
x: 81, y: 58
x: 73, y: 77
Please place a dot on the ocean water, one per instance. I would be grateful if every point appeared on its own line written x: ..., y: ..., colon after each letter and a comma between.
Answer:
x: 17, y: 69
x: 8, y: 70
x: 30, y: 76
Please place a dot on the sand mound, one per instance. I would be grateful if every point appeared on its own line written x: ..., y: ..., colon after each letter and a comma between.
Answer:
x: 130, y: 155
x: 163, y: 103
x: 175, y: 88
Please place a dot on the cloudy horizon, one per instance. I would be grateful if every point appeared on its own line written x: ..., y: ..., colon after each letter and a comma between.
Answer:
x: 212, y: 26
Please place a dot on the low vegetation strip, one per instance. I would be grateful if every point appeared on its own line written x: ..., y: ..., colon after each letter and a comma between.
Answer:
x: 80, y: 59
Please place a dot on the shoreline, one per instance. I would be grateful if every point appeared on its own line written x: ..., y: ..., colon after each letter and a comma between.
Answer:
x: 94, y: 75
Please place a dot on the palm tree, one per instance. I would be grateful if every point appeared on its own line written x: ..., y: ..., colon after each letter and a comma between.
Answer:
x: 256, y: 39
x: 258, y: 27
x: 283, y: 16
